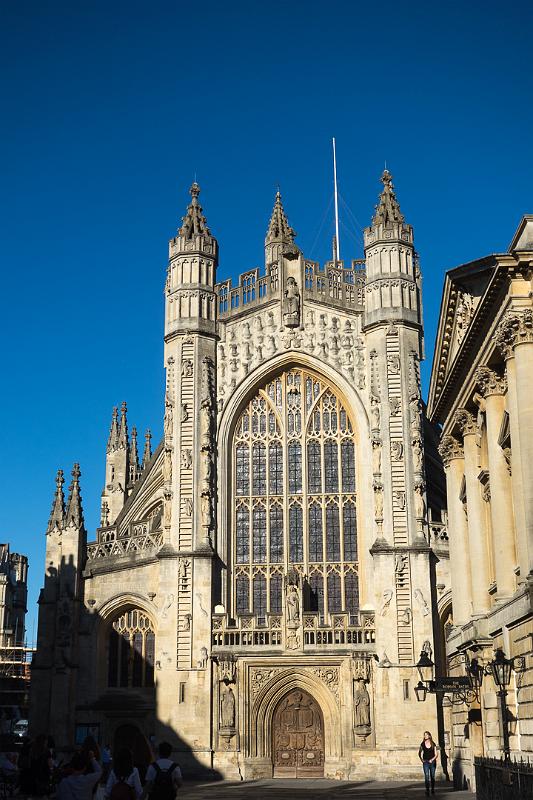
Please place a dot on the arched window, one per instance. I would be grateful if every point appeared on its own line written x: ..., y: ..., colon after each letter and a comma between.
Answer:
x: 131, y: 651
x: 294, y: 497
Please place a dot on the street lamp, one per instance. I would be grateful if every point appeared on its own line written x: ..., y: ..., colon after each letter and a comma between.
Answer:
x: 421, y: 691
x: 500, y: 669
x: 425, y: 667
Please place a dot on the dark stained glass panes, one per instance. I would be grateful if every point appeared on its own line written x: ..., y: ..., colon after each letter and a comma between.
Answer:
x: 331, y: 466
x: 275, y: 456
x: 259, y: 535
x: 276, y: 534
x: 316, y: 538
x: 149, y: 659
x: 113, y: 658
x: 259, y: 469
x: 316, y: 593
x: 260, y: 596
x: 242, y: 467
x: 334, y: 592
x: 296, y: 538
x: 314, y: 468
x: 137, y: 667
x: 333, y: 534
x: 351, y: 591
x: 124, y: 659
x: 350, y: 532
x: 242, y: 524
x: 275, y: 594
x: 348, y: 466
x: 243, y: 589
x: 295, y: 467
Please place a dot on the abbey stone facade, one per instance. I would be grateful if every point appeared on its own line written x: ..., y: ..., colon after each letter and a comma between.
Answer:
x: 263, y: 583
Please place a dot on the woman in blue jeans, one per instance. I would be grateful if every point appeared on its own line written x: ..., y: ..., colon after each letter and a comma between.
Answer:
x: 427, y: 752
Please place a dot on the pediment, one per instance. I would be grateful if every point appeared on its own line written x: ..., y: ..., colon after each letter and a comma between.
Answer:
x: 523, y: 238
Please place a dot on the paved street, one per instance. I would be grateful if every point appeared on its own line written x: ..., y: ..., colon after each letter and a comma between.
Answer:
x: 319, y: 789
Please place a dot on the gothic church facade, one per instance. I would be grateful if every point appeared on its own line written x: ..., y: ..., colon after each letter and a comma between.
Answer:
x: 262, y: 584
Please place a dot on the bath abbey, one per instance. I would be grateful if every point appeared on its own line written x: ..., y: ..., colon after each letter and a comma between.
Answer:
x: 263, y: 583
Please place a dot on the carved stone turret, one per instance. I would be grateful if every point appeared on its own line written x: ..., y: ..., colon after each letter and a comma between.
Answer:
x: 117, y: 475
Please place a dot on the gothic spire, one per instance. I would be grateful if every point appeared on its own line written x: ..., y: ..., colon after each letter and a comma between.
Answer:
x: 388, y: 208
x: 194, y: 222
x: 74, y: 513
x: 57, y: 513
x: 112, y: 442
x: 123, y: 428
x: 278, y: 227
x: 147, y: 455
x: 134, y: 456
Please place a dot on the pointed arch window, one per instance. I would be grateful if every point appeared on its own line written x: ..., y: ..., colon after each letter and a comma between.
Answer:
x: 131, y: 648
x: 294, y: 497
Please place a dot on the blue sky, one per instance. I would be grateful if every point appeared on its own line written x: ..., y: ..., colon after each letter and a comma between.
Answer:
x: 110, y: 109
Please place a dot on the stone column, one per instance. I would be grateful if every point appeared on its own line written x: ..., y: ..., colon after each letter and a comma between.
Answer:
x: 453, y: 458
x: 493, y: 387
x: 477, y: 534
x: 514, y: 338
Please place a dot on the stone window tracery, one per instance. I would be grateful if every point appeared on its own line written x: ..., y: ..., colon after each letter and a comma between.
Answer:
x: 294, y: 497
x: 131, y: 651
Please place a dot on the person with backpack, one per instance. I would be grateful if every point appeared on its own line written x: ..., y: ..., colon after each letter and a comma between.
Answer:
x: 163, y: 777
x: 124, y: 782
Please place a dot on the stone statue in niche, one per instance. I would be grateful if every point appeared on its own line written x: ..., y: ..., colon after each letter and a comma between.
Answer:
x: 376, y: 456
x: 169, y: 413
x: 291, y: 304
x: 205, y: 423
x: 417, y: 454
x: 362, y: 708
x: 227, y: 708
x: 186, y: 459
x: 420, y: 503
x: 187, y: 506
x: 375, y: 414
x: 414, y: 412
x: 207, y: 519
x: 292, y: 604
x: 378, y: 501
x: 167, y: 466
x: 293, y: 639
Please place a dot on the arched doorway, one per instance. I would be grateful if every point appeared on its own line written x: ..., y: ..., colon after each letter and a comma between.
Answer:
x: 298, y: 737
x: 132, y: 738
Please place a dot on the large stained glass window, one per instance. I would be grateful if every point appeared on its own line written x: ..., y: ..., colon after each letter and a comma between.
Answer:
x: 294, y: 498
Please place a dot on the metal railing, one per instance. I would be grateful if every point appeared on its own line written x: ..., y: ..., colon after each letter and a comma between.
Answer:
x: 497, y: 779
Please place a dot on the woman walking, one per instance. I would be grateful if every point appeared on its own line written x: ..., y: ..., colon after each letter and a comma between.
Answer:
x: 123, y: 782
x: 428, y: 754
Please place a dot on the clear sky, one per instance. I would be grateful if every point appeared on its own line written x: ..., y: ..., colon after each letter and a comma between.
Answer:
x: 110, y: 109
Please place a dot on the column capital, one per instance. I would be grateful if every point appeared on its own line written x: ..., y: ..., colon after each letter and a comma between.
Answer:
x: 450, y: 448
x: 466, y: 421
x: 489, y: 382
x: 515, y: 328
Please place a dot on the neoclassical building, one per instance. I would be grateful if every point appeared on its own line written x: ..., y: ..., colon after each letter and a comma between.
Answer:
x: 481, y: 392
x: 262, y: 584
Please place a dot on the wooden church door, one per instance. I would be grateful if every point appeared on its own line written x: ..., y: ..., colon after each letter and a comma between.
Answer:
x: 298, y: 737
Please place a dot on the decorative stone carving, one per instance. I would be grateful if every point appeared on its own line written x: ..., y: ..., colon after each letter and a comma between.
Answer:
x: 167, y: 605
x: 186, y: 622
x: 186, y: 458
x: 183, y: 573
x: 293, y: 639
x: 450, y: 448
x: 393, y: 362
x: 167, y: 508
x: 184, y: 412
x: 227, y: 708
x: 419, y: 597
x: 399, y: 496
x: 291, y: 304
x: 396, y: 451
x: 259, y: 677
x: 400, y: 563
x: 186, y: 368
x: 167, y: 466
x: 465, y: 309
x: 515, y: 328
x: 395, y: 405
x: 104, y: 519
x: 187, y: 504
x: 168, y: 421
x: 405, y: 617
x: 204, y: 657
x: 465, y: 421
x: 329, y: 676
x: 292, y: 605
x: 376, y: 456
x: 388, y: 594
x: 375, y: 413
x: 415, y: 419
x: 362, y: 708
x: 427, y: 649
x: 227, y: 667
x: 490, y: 382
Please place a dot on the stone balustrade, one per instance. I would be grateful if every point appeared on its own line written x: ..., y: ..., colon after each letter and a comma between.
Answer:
x: 137, y: 537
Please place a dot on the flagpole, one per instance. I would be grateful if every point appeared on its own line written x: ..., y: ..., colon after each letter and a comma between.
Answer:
x: 337, y: 244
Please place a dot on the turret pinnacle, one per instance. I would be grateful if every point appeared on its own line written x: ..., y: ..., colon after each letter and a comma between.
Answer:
x: 194, y: 222
x: 74, y: 513
x: 112, y: 442
x: 388, y: 208
x: 57, y: 513
x: 123, y: 429
x: 134, y: 456
x: 147, y: 455
x: 278, y: 227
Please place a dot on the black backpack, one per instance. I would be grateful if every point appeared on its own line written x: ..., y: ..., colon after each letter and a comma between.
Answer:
x: 163, y: 787
x: 122, y: 791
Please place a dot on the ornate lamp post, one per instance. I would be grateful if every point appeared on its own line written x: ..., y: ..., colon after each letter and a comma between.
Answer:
x: 500, y: 669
